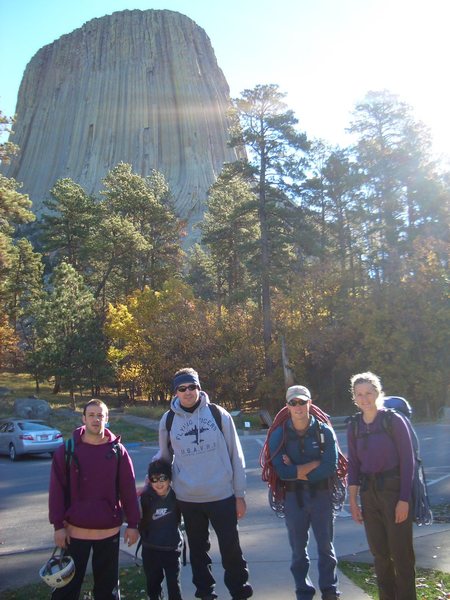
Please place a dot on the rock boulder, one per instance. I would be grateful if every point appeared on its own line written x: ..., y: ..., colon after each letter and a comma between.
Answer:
x: 31, y: 408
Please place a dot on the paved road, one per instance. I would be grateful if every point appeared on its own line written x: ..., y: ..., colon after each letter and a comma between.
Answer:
x: 24, y: 525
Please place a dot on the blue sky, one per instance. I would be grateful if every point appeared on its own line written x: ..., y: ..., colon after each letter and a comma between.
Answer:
x: 325, y: 54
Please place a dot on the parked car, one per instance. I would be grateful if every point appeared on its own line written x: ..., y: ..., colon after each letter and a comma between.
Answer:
x: 25, y: 436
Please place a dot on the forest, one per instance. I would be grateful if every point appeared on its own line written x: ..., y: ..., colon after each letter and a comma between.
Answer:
x: 334, y: 259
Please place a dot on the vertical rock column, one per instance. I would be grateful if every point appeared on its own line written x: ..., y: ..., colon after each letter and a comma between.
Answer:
x: 141, y: 87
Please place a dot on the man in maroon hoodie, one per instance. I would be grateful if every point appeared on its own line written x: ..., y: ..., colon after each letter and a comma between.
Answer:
x: 90, y: 489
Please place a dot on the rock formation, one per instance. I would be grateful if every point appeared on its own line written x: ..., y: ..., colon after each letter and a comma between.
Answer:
x: 141, y: 87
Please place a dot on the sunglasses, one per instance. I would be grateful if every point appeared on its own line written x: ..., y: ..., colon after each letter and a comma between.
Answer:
x: 191, y: 387
x: 156, y: 478
x: 295, y: 402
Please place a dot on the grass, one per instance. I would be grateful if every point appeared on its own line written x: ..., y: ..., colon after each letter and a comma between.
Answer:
x: 22, y: 386
x: 64, y: 419
x: 132, y: 587
x: 430, y: 584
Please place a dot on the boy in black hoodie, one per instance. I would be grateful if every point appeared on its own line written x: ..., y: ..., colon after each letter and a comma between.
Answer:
x: 160, y: 533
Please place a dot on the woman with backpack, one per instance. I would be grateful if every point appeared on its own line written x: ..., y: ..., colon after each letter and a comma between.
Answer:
x: 381, y: 467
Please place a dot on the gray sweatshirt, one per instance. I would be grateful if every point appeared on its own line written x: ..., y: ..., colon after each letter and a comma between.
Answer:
x: 208, y: 464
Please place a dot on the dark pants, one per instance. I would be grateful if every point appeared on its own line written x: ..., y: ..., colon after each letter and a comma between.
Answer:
x: 390, y: 543
x: 158, y: 563
x: 105, y: 568
x: 223, y: 518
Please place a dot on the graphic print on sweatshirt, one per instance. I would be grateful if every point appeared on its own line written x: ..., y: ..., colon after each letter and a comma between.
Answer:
x: 197, y: 436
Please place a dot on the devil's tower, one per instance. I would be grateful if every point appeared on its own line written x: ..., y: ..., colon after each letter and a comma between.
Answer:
x: 141, y: 87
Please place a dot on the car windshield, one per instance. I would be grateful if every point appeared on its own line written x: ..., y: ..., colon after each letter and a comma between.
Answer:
x: 30, y: 426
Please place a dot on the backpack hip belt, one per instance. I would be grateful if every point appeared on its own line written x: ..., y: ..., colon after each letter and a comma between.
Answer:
x: 378, y: 478
x: 293, y: 486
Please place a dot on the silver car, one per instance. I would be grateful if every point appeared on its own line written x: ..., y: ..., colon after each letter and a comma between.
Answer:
x: 25, y: 436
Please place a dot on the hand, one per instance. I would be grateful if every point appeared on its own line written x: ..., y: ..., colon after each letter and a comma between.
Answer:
x: 241, y: 507
x: 303, y: 470
x: 140, y: 490
x: 61, y: 538
x: 356, y: 513
x: 131, y: 536
x: 286, y: 459
x: 401, y: 511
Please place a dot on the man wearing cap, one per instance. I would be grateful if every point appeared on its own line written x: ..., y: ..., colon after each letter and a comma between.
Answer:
x: 209, y: 481
x: 304, y: 456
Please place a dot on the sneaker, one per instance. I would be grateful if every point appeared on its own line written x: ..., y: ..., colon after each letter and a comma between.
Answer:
x: 247, y: 592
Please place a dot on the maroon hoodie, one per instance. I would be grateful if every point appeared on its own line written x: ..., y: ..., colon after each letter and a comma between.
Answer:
x: 97, y: 476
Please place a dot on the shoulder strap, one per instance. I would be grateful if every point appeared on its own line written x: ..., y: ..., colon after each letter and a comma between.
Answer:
x: 169, y: 419
x: 68, y: 451
x: 118, y: 453
x: 320, y: 436
x: 138, y: 545
x: 68, y: 455
x: 216, y: 414
x: 354, y: 421
x: 386, y: 421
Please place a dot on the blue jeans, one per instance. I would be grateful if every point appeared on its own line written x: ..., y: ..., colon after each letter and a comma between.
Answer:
x: 316, y: 512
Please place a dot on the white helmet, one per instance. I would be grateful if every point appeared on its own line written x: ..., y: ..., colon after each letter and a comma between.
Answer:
x: 59, y: 570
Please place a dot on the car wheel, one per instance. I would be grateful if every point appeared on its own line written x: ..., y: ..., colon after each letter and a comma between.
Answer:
x: 12, y: 452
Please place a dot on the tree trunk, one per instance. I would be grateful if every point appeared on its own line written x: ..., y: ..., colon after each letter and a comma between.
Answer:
x: 57, y: 386
x: 265, y: 283
x: 288, y: 374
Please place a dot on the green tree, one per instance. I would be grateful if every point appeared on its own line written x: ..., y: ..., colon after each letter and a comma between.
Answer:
x: 65, y: 331
x: 406, y: 330
x: 23, y: 283
x: 111, y: 250
x: 7, y: 149
x: 201, y: 274
x: 73, y: 218
x: 14, y: 210
x: 400, y: 187
x: 276, y: 159
x: 334, y: 194
x: 230, y: 232
x: 146, y: 204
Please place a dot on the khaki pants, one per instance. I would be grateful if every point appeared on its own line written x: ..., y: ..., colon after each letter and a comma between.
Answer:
x: 391, y: 544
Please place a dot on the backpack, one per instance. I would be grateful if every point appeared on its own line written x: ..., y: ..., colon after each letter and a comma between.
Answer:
x: 421, y: 508
x: 214, y: 411
x: 277, y: 491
